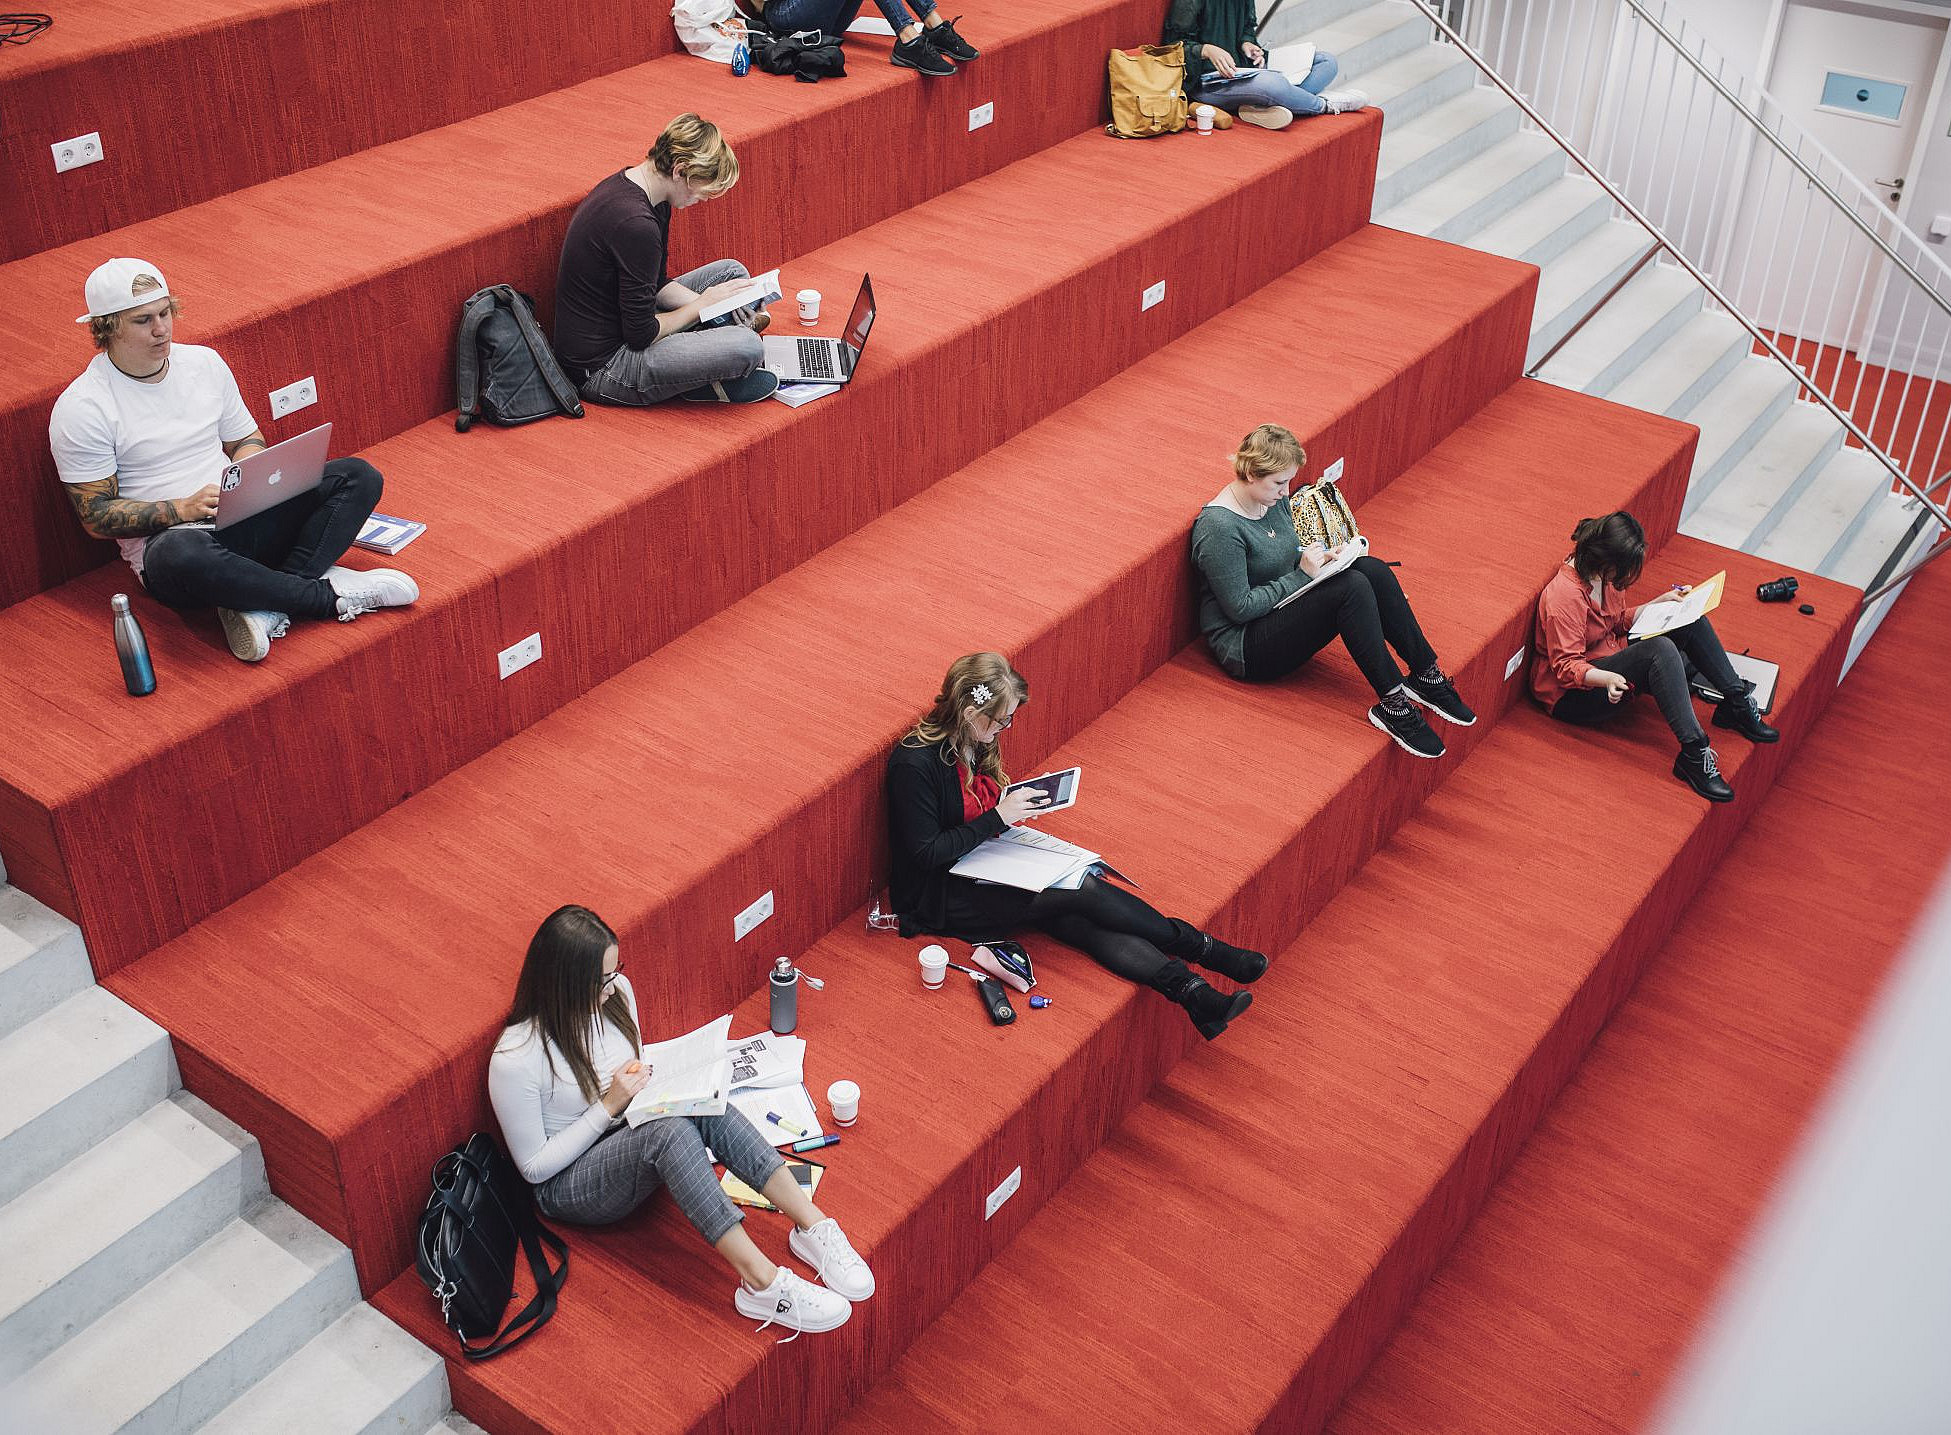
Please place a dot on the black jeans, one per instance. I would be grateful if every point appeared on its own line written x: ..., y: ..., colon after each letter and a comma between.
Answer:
x: 1658, y: 666
x: 1120, y: 931
x: 1365, y: 605
x: 274, y: 561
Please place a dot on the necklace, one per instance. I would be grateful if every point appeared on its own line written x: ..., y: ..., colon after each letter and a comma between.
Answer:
x: 157, y: 373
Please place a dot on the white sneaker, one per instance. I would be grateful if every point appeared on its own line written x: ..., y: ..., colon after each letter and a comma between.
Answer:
x: 1344, y: 102
x: 796, y: 1304
x: 250, y: 632
x: 364, y: 592
x: 1268, y: 117
x: 833, y: 1258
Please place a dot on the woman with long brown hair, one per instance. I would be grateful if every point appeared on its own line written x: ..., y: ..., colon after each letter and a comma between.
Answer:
x: 560, y: 1078
x: 945, y: 796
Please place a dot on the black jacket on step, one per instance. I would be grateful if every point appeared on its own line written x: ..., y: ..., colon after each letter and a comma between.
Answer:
x: 926, y: 834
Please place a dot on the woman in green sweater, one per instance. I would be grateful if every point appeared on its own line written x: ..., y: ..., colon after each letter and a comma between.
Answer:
x: 1225, y: 67
x: 1251, y: 562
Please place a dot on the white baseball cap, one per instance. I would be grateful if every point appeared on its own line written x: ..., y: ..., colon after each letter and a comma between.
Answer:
x: 109, y: 288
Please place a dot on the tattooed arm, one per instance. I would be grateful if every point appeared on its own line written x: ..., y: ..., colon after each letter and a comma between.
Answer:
x: 105, y: 515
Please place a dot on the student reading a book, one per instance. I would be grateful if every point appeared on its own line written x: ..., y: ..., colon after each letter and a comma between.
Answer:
x: 1227, y: 68
x: 1585, y: 668
x: 560, y: 1078
x: 945, y: 795
x: 1250, y: 561
x: 625, y: 331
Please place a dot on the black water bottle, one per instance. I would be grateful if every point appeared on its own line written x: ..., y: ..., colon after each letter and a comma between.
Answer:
x: 132, y: 648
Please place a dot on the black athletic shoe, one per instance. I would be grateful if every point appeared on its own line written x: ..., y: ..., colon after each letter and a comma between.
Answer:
x: 920, y: 54
x: 1743, y: 716
x: 1407, y: 727
x: 1440, y: 697
x: 1700, y: 769
x: 946, y: 38
x: 757, y: 385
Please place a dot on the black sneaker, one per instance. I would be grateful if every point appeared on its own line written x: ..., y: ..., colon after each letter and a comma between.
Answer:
x: 757, y: 385
x: 947, y: 39
x: 1700, y: 769
x: 1440, y: 697
x: 920, y: 54
x: 1407, y: 727
x: 1744, y: 716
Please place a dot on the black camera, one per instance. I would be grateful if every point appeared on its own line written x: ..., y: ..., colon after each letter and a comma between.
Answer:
x: 1779, y: 591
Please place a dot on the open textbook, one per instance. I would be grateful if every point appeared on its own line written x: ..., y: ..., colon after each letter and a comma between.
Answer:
x: 690, y: 1075
x: 1356, y: 547
x: 759, y: 289
x: 1663, y: 615
x: 1033, y: 861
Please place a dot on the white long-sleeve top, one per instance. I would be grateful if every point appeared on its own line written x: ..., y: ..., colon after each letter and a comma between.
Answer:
x: 545, y: 1122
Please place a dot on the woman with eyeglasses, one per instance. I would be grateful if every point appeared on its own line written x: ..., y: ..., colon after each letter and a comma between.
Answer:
x: 560, y: 1078
x: 945, y: 797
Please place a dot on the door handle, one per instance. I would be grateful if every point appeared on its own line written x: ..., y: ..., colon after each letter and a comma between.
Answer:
x: 1891, y: 183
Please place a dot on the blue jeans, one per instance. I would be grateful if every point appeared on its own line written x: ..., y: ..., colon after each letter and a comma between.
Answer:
x: 834, y: 16
x: 1269, y: 87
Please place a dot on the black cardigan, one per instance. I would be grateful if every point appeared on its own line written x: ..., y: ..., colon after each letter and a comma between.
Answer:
x: 926, y: 834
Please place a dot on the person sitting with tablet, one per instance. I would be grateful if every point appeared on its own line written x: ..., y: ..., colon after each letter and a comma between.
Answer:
x: 945, y: 795
x: 560, y: 1078
x: 930, y: 45
x: 141, y: 440
x: 1252, y: 566
x: 1585, y: 667
x: 625, y: 331
x: 1226, y: 67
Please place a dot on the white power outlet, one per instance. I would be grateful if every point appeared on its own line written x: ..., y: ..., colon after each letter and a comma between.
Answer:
x: 517, y: 656
x: 1516, y: 662
x: 1332, y: 473
x: 1011, y: 1184
x: 982, y: 114
x: 745, y: 921
x: 1154, y: 294
x: 74, y: 153
x: 293, y: 397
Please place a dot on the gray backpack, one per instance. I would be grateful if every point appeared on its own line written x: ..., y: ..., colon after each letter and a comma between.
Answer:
x: 504, y: 369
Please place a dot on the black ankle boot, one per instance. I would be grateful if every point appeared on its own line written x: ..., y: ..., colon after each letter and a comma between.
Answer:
x: 1701, y: 770
x: 1202, y: 948
x: 1209, y: 1008
x: 1743, y: 716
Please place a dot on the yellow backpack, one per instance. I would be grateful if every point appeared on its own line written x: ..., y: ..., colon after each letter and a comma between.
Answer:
x: 1147, y: 91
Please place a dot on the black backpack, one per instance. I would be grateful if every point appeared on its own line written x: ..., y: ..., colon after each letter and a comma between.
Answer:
x: 806, y: 55
x: 480, y: 1212
x: 504, y: 369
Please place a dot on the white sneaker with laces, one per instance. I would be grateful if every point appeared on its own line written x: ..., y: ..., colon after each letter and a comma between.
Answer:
x: 832, y: 1256
x: 797, y: 1304
x: 249, y: 632
x: 369, y: 590
x: 1268, y: 117
x: 1344, y: 102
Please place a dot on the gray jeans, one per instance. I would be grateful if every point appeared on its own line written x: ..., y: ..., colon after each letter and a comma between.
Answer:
x: 689, y: 359
x: 625, y: 1168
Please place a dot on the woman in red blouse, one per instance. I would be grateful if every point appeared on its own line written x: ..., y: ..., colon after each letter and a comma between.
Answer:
x: 1586, y: 668
x: 945, y: 796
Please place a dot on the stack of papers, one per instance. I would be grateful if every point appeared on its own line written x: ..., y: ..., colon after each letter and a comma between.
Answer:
x: 793, y: 1105
x: 768, y: 1060
x: 690, y: 1075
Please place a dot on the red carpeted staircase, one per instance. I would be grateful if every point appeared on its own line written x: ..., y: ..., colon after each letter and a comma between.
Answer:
x: 319, y: 874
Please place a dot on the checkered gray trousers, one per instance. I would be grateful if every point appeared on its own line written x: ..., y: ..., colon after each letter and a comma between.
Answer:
x: 625, y: 1168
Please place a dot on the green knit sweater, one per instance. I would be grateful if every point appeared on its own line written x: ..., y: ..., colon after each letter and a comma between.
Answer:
x: 1246, y: 566
x: 1230, y: 24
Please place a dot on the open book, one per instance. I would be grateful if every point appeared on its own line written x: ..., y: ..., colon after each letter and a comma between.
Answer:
x: 690, y: 1075
x: 759, y: 289
x: 1356, y: 547
x: 1033, y: 861
x: 1663, y: 615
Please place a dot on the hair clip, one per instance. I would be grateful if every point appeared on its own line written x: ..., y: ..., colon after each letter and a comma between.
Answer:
x: 980, y: 694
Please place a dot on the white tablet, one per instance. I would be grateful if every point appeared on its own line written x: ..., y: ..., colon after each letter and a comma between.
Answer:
x: 1059, y: 787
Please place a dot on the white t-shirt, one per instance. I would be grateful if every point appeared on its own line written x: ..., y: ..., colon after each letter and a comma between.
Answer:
x: 545, y: 1122
x: 161, y: 441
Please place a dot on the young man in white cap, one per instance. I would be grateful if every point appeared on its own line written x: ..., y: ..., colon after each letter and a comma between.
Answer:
x: 140, y: 440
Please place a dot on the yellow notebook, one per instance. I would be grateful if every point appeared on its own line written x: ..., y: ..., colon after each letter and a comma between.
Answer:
x: 807, y: 1173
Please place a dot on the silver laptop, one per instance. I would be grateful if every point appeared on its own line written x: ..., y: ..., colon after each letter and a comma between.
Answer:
x: 825, y: 361
x: 268, y: 477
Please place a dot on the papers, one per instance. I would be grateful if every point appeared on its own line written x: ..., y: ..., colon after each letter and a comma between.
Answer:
x: 791, y: 1104
x: 384, y: 533
x: 689, y: 1076
x: 1356, y: 547
x: 1663, y: 615
x: 1033, y: 861
x: 1293, y: 61
x: 870, y: 25
x: 759, y: 289
x: 795, y: 395
x: 768, y: 1060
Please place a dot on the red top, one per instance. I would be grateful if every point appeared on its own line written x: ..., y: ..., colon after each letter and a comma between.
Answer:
x: 978, y: 794
x: 1572, y: 630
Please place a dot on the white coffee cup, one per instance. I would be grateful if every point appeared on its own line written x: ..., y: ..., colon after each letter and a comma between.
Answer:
x: 934, y: 966
x: 1204, y: 114
x: 809, y: 306
x: 843, y: 1099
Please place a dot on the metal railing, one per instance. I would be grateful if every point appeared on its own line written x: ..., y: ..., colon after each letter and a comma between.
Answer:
x: 1813, y: 263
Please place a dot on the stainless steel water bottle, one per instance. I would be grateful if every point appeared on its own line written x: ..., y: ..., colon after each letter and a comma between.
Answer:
x: 785, y: 996
x: 138, y: 673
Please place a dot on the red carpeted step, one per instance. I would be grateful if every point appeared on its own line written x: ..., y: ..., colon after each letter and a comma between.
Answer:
x: 354, y: 271
x: 1235, y: 1253
x: 636, y: 797
x: 554, y: 527
x: 1565, y: 1305
x: 1254, y: 804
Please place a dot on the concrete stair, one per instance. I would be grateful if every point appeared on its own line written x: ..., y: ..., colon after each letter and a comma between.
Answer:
x: 151, y: 1283
x: 1457, y: 163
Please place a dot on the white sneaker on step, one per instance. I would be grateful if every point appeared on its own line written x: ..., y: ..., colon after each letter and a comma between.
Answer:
x: 371, y: 589
x: 832, y: 1256
x: 249, y: 632
x: 1344, y: 102
x: 1268, y: 117
x: 797, y: 1304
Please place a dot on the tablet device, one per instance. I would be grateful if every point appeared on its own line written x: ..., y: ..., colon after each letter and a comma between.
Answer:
x: 1059, y: 787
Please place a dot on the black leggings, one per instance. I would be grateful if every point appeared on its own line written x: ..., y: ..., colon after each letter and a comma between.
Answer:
x: 1121, y: 932
x: 1658, y: 666
x: 1365, y: 605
